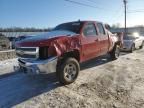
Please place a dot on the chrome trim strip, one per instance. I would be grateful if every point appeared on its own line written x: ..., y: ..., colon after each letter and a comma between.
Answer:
x: 27, y: 47
x: 26, y: 52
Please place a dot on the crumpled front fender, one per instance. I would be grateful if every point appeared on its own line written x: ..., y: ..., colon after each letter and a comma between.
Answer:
x: 61, y: 46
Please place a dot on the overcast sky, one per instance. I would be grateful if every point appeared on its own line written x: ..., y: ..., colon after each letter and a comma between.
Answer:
x: 49, y: 13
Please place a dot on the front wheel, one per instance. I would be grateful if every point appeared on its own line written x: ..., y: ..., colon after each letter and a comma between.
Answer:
x: 68, y: 71
x: 115, y: 53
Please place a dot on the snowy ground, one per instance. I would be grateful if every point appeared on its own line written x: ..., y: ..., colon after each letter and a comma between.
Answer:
x: 101, y: 84
x: 7, y: 67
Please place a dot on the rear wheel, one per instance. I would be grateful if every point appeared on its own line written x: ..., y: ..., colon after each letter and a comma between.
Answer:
x: 115, y: 53
x: 132, y: 48
x: 68, y: 71
x: 142, y: 45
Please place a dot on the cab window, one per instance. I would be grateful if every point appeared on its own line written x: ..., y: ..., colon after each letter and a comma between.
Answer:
x: 101, y: 29
x: 89, y: 30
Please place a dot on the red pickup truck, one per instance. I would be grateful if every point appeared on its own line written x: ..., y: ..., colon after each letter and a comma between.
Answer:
x: 65, y: 47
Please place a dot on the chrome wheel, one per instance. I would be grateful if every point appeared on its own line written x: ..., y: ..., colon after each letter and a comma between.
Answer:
x: 67, y: 72
x: 70, y: 71
x: 142, y: 45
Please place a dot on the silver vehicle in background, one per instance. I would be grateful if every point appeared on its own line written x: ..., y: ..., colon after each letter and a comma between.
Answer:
x: 132, y: 42
x: 4, y: 42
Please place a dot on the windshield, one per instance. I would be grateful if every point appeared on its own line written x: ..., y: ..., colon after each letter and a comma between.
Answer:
x: 72, y: 26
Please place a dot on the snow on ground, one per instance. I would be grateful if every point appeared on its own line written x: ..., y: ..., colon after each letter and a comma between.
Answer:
x: 6, y: 50
x: 101, y: 84
x: 7, y: 66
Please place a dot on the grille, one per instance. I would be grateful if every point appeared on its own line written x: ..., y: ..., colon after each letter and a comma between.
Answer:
x: 43, y: 53
x: 27, y: 52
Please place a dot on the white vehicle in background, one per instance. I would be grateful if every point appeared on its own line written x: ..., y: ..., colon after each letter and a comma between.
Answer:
x: 132, y: 42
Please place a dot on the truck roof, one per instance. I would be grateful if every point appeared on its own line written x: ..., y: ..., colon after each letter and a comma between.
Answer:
x: 82, y: 21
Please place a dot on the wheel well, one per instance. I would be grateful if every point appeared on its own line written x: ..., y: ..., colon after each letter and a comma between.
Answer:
x: 74, y: 54
x: 117, y: 43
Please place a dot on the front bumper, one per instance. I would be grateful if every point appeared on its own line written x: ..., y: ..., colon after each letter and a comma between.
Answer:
x: 125, y: 49
x: 38, y: 66
x: 127, y: 45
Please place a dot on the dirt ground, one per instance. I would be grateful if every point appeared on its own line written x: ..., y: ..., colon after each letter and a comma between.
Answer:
x: 101, y: 84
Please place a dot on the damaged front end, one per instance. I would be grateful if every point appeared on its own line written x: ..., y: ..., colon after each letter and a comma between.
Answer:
x: 44, y: 58
x: 34, y: 60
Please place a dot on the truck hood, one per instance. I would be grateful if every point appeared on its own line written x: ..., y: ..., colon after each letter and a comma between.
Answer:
x: 44, y: 39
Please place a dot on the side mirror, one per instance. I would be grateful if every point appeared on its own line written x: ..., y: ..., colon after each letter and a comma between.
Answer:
x: 107, y: 26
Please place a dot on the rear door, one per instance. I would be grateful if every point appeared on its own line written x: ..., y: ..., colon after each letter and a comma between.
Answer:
x: 103, y: 38
x: 90, y: 41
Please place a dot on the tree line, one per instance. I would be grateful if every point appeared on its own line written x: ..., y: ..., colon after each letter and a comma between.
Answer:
x: 19, y: 29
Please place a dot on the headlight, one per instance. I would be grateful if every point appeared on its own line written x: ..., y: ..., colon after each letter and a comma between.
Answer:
x: 43, y: 52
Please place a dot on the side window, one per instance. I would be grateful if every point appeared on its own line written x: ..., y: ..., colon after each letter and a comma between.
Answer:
x: 101, y: 28
x: 89, y: 30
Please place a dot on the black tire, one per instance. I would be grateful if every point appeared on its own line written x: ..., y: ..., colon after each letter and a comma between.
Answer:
x: 115, y: 53
x: 142, y: 45
x: 68, y: 70
x: 0, y: 48
x: 132, y: 48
